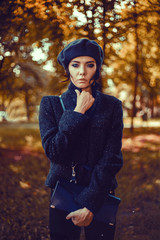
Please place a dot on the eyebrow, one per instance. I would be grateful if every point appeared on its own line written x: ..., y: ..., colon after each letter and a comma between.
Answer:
x: 85, y: 62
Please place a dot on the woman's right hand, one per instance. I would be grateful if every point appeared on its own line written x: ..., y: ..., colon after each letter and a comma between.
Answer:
x: 81, y: 217
x: 85, y: 100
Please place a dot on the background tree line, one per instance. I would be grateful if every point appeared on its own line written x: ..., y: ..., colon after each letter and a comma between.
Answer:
x: 33, y: 32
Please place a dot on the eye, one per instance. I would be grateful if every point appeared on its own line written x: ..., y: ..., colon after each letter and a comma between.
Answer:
x: 91, y: 65
x: 75, y: 65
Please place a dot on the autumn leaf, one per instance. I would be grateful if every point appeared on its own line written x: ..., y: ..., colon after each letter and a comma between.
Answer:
x: 24, y: 185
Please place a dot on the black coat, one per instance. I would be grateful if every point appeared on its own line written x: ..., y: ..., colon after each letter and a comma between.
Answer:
x: 93, y: 139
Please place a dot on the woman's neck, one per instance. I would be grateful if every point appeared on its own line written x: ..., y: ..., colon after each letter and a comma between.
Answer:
x: 88, y: 89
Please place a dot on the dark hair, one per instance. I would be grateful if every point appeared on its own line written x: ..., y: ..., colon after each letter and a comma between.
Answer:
x: 66, y: 75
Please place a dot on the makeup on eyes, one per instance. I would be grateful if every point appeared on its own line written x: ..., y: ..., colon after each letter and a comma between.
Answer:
x: 88, y: 63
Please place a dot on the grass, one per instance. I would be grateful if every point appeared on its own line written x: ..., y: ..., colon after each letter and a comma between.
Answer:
x: 24, y: 198
x: 139, y: 185
x: 13, y: 136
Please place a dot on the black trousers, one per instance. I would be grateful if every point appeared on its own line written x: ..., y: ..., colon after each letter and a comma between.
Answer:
x: 62, y: 229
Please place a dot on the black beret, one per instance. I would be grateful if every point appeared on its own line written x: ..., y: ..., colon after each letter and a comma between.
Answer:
x: 81, y: 47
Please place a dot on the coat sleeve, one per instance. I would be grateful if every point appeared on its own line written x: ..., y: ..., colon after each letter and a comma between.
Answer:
x: 93, y: 196
x: 56, y: 138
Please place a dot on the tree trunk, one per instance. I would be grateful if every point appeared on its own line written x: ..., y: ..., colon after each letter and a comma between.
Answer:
x: 27, y: 105
x: 104, y: 33
x: 152, y: 105
x: 1, y: 63
x: 136, y: 71
x: 103, y: 27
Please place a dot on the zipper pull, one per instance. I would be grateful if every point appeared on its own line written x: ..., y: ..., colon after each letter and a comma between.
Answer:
x: 73, y: 173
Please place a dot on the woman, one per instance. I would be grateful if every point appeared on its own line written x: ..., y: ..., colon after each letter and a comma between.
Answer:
x: 87, y: 133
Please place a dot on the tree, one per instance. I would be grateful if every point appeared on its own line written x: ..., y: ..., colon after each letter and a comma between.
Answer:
x: 126, y: 30
x: 137, y: 57
x: 20, y: 35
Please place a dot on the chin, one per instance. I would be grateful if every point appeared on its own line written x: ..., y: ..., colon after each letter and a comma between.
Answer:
x: 82, y: 85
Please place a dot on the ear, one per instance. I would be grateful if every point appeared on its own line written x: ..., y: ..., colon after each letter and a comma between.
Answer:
x: 92, y: 81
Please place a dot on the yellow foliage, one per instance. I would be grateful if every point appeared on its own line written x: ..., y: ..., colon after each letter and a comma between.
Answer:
x: 157, y: 182
x: 20, y: 2
x: 18, y: 11
x: 15, y: 169
x: 29, y: 5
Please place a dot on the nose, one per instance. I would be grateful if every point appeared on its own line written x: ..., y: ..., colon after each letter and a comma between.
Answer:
x: 82, y: 70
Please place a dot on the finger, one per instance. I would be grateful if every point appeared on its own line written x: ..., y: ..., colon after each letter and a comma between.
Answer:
x: 76, y: 221
x: 77, y: 92
x: 80, y: 223
x: 70, y: 215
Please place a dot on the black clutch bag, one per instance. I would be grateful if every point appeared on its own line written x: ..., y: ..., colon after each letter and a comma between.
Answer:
x: 63, y: 199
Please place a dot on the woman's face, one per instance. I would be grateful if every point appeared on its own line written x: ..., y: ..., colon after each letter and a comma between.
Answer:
x: 82, y: 69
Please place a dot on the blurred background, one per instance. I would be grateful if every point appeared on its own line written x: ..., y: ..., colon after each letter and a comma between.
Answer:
x: 32, y: 33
